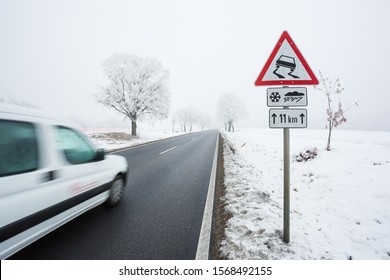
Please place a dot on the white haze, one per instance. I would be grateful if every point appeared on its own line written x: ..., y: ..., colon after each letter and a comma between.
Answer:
x: 51, y: 52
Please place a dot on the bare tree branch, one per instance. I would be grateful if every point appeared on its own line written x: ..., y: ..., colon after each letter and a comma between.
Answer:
x: 336, y: 117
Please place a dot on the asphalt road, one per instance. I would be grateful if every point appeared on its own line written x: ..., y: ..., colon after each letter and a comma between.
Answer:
x: 160, y: 216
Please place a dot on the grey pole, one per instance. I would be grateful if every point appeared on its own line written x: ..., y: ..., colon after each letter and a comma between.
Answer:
x: 286, y: 185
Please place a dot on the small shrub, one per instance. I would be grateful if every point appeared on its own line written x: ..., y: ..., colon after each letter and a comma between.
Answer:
x: 307, y: 154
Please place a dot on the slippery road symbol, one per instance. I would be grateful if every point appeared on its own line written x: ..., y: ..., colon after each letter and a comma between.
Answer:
x: 287, y: 62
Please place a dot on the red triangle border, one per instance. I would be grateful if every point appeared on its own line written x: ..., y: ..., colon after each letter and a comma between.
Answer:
x: 285, y: 36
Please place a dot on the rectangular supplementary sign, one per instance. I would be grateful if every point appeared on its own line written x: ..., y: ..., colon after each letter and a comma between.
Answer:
x: 287, y: 96
x: 287, y: 118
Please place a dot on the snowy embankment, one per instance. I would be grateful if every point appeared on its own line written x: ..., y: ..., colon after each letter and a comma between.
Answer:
x: 111, y: 141
x: 340, y: 200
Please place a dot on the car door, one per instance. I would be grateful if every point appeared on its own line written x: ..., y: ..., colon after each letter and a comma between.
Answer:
x: 85, y: 175
x: 24, y: 175
x: 44, y: 171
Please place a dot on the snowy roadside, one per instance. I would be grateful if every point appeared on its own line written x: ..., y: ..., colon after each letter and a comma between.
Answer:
x: 340, y: 201
x: 111, y: 141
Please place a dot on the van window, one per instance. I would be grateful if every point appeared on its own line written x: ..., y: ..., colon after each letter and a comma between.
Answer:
x: 18, y: 148
x: 74, y: 146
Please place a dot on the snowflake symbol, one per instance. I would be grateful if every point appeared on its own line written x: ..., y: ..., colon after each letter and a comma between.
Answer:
x: 275, y: 97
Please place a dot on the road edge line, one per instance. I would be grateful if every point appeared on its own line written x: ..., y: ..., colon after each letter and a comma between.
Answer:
x: 203, y: 249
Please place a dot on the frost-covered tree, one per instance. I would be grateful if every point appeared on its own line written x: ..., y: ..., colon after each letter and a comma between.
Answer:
x: 229, y: 110
x: 173, y: 119
x: 336, y: 115
x: 136, y: 87
x: 182, y: 118
x: 192, y: 114
x: 187, y: 117
x: 204, y: 120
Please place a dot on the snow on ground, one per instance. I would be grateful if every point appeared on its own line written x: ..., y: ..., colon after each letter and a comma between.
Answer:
x: 340, y: 201
x: 114, y: 139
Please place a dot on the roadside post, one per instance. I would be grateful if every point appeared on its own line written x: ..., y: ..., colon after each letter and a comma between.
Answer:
x: 286, y: 67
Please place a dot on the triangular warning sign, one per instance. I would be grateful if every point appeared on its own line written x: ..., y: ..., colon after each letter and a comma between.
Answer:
x: 286, y: 66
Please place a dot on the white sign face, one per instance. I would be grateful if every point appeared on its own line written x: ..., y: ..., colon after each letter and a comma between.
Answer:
x: 287, y: 118
x: 286, y: 66
x: 290, y: 96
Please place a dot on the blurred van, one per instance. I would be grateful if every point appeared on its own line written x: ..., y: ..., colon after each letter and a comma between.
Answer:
x: 49, y: 174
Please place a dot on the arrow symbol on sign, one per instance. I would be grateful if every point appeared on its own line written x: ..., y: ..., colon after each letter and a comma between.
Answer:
x: 302, y: 117
x: 273, y: 117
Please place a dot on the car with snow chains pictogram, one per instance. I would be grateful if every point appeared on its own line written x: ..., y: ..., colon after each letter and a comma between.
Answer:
x: 50, y: 173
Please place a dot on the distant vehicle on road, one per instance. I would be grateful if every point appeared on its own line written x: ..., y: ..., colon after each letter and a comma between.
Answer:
x: 49, y: 174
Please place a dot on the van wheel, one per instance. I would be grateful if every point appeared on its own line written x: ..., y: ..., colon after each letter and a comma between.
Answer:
x: 116, y: 191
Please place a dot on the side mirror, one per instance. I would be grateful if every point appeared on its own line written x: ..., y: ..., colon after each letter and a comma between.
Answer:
x: 100, y: 155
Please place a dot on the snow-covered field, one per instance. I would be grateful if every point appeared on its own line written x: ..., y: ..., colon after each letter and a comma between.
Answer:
x: 340, y: 201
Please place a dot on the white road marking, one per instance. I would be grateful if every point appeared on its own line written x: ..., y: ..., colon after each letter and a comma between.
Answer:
x: 168, y: 150
x: 202, y: 252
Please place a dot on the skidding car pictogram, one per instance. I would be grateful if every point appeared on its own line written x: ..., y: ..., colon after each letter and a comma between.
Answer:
x: 287, y: 62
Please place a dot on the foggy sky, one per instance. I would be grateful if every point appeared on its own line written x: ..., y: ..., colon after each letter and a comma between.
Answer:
x: 51, y: 52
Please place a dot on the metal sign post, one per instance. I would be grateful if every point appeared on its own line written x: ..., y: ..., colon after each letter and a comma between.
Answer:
x: 286, y: 66
x: 287, y: 118
x: 286, y: 184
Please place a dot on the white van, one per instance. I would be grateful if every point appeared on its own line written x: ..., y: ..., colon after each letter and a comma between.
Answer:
x: 49, y: 174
